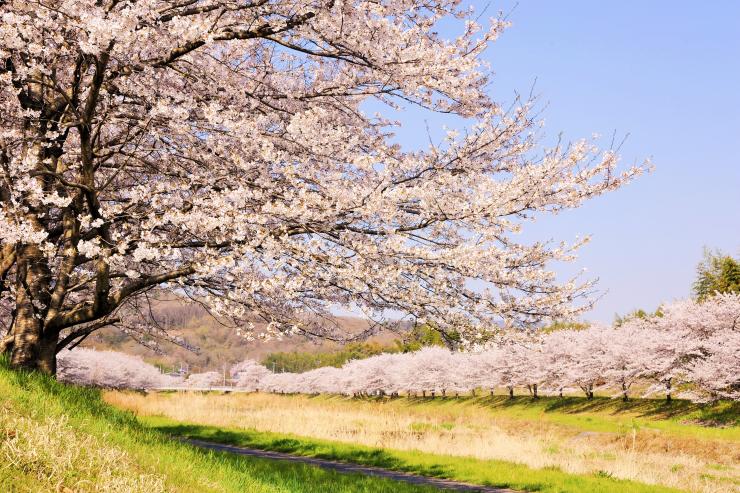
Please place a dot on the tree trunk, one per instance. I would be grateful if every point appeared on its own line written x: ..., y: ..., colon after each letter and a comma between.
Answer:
x: 668, y: 387
x: 511, y: 392
x: 32, y: 347
x: 534, y: 392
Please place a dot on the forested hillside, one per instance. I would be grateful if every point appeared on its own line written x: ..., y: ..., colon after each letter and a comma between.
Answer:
x: 217, y: 344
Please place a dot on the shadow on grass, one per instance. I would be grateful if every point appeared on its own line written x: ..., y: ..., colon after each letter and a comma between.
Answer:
x: 718, y: 414
x: 721, y: 413
x: 303, y: 447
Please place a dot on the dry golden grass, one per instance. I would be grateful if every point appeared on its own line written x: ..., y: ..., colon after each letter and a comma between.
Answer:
x: 56, y: 458
x: 463, y: 429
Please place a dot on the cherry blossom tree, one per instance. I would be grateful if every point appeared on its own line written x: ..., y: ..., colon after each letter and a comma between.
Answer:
x: 531, y: 364
x: 691, y: 341
x: 504, y: 362
x: 220, y: 149
x: 429, y: 370
x: 325, y: 380
x: 716, y: 375
x: 111, y: 369
x: 489, y: 369
x: 280, y: 383
x: 248, y: 374
x: 377, y: 375
x: 205, y: 380
x: 627, y: 354
x: 465, y: 375
x: 589, y: 358
x: 558, y: 358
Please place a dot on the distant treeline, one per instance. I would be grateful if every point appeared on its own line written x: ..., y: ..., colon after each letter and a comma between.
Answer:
x: 302, y: 361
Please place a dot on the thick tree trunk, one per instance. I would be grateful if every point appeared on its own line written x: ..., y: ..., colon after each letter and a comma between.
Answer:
x: 32, y: 347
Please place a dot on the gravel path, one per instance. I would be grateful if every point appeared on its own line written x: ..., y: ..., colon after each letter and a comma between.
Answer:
x: 442, y: 484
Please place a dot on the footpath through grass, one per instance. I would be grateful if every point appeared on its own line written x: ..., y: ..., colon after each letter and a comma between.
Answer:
x: 55, y: 437
x: 484, y: 472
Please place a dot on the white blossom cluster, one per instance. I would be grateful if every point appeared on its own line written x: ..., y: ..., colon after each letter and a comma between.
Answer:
x: 220, y: 149
x: 110, y: 369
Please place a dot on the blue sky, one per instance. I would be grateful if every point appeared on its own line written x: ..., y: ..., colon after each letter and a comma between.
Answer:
x: 668, y: 74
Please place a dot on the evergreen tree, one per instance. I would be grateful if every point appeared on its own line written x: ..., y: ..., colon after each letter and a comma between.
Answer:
x: 716, y: 273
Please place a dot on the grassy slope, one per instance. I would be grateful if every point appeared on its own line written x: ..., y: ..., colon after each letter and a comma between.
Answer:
x: 54, y: 436
x: 484, y: 472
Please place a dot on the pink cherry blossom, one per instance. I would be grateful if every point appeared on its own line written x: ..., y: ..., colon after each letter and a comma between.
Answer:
x: 222, y: 150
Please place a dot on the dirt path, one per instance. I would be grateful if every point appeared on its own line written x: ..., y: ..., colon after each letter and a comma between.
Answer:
x: 345, y: 467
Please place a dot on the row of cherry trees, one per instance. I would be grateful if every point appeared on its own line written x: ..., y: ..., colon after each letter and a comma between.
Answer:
x: 110, y: 369
x: 689, y: 348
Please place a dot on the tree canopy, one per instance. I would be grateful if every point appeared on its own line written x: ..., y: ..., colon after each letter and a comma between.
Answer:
x: 716, y: 273
x: 220, y: 149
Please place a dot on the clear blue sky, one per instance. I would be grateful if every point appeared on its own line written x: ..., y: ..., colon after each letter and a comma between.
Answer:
x: 668, y: 74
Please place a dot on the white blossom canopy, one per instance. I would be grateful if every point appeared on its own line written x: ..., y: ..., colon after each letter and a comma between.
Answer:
x: 219, y: 148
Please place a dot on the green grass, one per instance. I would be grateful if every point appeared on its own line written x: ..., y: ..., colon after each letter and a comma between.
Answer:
x: 483, y: 472
x: 602, y: 414
x: 82, y: 423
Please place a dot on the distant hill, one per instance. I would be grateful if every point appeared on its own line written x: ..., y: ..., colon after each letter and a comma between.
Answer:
x: 219, y: 345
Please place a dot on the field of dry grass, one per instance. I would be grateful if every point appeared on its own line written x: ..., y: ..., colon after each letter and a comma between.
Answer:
x: 633, y: 442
